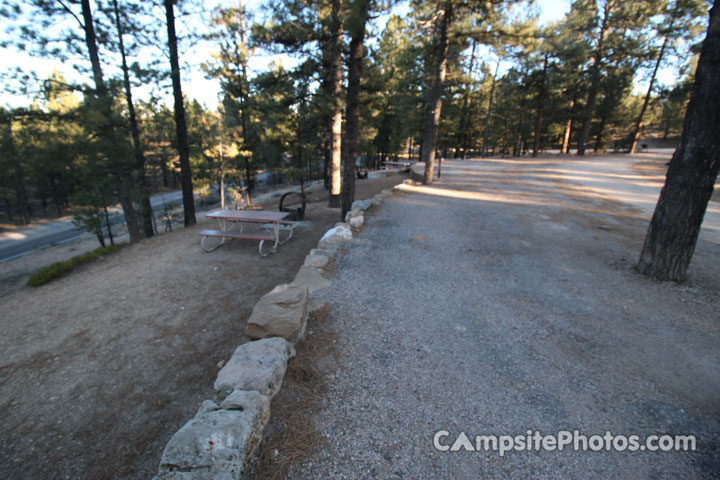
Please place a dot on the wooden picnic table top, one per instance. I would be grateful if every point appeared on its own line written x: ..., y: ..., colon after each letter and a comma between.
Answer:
x: 249, y: 215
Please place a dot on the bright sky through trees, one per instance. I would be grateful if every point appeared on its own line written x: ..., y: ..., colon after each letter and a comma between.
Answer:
x: 206, y: 90
x: 198, y: 86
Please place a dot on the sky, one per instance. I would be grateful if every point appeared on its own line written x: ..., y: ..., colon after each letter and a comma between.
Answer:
x: 197, y: 86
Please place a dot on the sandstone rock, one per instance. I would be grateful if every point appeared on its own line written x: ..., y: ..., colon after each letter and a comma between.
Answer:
x: 208, y: 406
x: 335, y: 236
x: 317, y: 258
x: 247, y: 400
x: 351, y: 214
x: 217, y: 444
x: 361, y: 205
x: 357, y: 222
x: 310, y: 278
x: 331, y: 250
x: 316, y: 305
x: 258, y: 366
x: 280, y: 313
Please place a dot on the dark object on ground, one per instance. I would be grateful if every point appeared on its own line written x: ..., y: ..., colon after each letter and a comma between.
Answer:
x: 361, y: 172
x: 297, y: 205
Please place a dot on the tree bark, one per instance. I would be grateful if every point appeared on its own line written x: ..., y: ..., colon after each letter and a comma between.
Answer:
x: 249, y: 177
x: 599, y: 137
x: 595, y: 75
x: 466, y: 111
x: 180, y: 125
x: 334, y: 90
x: 539, y: 112
x: 432, y: 118
x: 107, y: 132
x: 145, y: 207
x: 568, y: 130
x: 486, y: 130
x: 675, y: 225
x: 639, y: 122
x: 350, y: 144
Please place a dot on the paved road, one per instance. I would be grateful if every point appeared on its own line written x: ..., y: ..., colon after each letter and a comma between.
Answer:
x: 501, y: 301
x: 22, y: 241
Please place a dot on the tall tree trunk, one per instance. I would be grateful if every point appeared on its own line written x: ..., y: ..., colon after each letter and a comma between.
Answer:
x: 595, y: 76
x: 249, y: 177
x: 635, y: 136
x: 486, y: 130
x: 334, y: 90
x: 108, y: 226
x: 539, y: 110
x: 107, y: 132
x: 517, y: 148
x: 434, y: 106
x: 465, y: 112
x: 675, y: 225
x: 599, y: 137
x: 360, y: 14
x: 180, y: 125
x: 145, y: 207
x: 568, y: 129
x: 222, y: 177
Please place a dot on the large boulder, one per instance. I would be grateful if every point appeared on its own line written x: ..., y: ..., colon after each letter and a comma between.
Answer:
x: 351, y: 214
x: 311, y: 278
x: 336, y: 236
x: 357, y: 222
x: 258, y: 366
x: 217, y: 443
x: 280, y: 313
x: 361, y: 205
x: 317, y: 258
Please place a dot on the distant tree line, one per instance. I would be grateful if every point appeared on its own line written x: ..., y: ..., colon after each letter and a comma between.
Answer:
x: 451, y: 78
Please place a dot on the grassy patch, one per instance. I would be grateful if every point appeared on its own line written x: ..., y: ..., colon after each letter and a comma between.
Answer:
x: 59, y: 269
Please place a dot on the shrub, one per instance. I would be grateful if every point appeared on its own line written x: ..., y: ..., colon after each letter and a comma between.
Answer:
x: 59, y: 269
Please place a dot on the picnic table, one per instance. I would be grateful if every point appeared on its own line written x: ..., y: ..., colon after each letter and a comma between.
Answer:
x: 228, y: 220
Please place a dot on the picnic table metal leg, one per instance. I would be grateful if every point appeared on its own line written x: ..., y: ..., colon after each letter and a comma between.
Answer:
x: 276, y: 238
x: 292, y: 227
x: 210, y: 249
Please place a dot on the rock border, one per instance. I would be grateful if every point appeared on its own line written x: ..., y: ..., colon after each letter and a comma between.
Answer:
x: 219, y: 442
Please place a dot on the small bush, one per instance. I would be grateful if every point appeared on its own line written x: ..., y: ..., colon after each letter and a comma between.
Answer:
x: 59, y: 269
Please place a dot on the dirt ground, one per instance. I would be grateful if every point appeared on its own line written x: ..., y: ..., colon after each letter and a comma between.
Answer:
x: 100, y: 368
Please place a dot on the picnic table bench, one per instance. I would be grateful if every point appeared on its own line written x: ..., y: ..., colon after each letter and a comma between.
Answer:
x: 402, y: 165
x: 228, y: 219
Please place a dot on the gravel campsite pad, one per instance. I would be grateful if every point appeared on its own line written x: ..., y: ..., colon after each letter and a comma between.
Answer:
x: 100, y: 368
x: 504, y: 299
